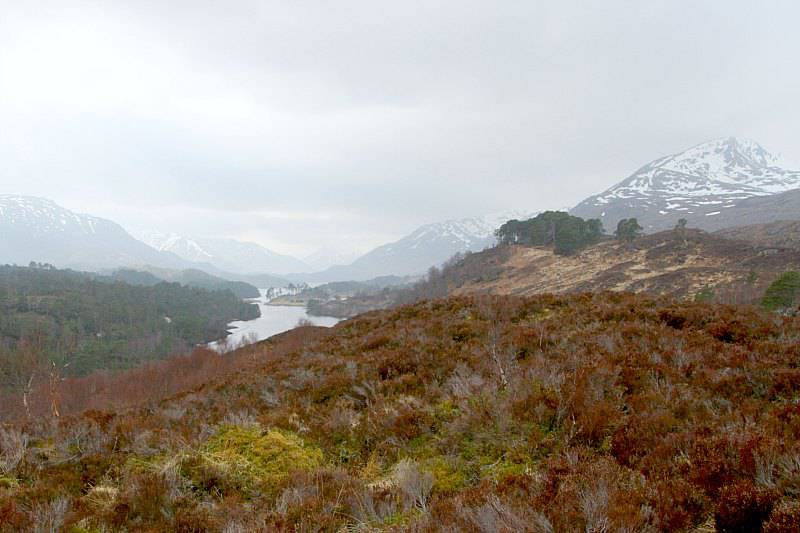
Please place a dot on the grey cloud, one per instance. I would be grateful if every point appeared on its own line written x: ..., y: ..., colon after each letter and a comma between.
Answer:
x: 389, y: 114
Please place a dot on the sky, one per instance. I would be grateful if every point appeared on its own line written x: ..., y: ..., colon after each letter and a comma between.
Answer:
x: 343, y: 125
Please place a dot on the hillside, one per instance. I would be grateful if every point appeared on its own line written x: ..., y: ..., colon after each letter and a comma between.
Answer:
x: 605, y: 412
x: 74, y: 323
x: 713, y: 185
x: 680, y: 264
x: 781, y: 234
x: 190, y: 277
x: 427, y: 246
x: 755, y: 210
x: 686, y: 264
x: 227, y: 255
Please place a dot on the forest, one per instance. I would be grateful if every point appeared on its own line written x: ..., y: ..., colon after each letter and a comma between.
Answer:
x: 567, y: 234
x: 73, y: 323
x: 190, y: 277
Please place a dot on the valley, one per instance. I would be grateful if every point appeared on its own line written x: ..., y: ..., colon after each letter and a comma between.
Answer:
x: 485, y: 374
x: 274, y: 318
x: 399, y: 267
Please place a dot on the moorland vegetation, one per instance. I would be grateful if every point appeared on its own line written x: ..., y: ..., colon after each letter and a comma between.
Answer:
x: 588, y: 412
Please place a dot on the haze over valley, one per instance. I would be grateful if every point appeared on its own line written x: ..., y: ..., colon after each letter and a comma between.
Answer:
x: 420, y: 266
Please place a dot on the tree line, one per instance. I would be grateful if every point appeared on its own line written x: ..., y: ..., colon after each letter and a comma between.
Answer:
x: 567, y: 234
x: 78, y: 322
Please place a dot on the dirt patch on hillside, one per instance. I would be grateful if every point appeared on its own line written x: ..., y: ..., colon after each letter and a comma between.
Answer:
x: 683, y: 264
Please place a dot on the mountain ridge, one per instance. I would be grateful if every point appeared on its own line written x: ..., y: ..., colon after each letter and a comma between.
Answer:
x: 38, y: 229
x: 699, y: 184
x: 427, y: 246
x: 232, y: 255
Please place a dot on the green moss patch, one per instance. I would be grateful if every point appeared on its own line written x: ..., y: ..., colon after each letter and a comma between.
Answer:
x: 8, y: 483
x: 252, y: 458
x: 449, y: 473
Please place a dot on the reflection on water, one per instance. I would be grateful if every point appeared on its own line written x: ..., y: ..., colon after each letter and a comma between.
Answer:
x: 274, y: 319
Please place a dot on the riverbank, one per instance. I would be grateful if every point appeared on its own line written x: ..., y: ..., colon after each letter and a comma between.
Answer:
x: 274, y: 319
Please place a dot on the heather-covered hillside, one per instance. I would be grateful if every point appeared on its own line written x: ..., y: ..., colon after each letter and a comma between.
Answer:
x: 685, y: 264
x: 592, y: 412
x: 781, y: 234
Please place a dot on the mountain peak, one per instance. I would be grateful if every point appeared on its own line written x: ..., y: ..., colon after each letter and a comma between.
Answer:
x: 231, y: 255
x: 44, y: 215
x: 700, y: 181
x: 724, y: 156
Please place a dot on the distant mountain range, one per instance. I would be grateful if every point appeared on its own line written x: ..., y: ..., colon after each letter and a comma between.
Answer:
x: 427, y: 246
x: 37, y: 229
x: 226, y: 254
x: 716, y: 184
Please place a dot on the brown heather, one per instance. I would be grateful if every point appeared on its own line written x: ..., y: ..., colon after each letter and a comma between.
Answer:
x: 590, y: 412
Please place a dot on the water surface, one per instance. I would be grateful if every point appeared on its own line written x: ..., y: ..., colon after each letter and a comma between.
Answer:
x: 274, y: 319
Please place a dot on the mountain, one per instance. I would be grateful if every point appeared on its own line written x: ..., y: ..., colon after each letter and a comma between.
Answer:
x: 700, y: 184
x: 226, y: 254
x: 191, y: 277
x: 781, y: 234
x: 754, y: 210
x: 427, y: 246
x: 327, y: 257
x: 37, y: 229
x: 172, y: 242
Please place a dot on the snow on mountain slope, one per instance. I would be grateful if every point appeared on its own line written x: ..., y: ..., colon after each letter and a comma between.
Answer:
x: 39, y: 216
x: 177, y: 244
x: 226, y: 254
x: 37, y: 229
x: 702, y: 181
x: 427, y: 246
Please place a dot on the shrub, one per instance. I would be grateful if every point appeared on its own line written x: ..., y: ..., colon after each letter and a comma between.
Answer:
x: 448, y: 473
x: 414, y: 484
x: 13, y: 445
x: 783, y: 292
x: 742, y: 507
x: 50, y: 516
x: 678, y: 505
x: 248, y: 457
x: 785, y: 518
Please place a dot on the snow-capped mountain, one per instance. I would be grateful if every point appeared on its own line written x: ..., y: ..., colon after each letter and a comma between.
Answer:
x: 427, y: 246
x: 226, y: 254
x: 37, y: 229
x: 177, y: 244
x: 697, y: 184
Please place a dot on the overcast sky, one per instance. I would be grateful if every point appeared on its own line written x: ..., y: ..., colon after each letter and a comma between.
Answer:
x: 301, y: 124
